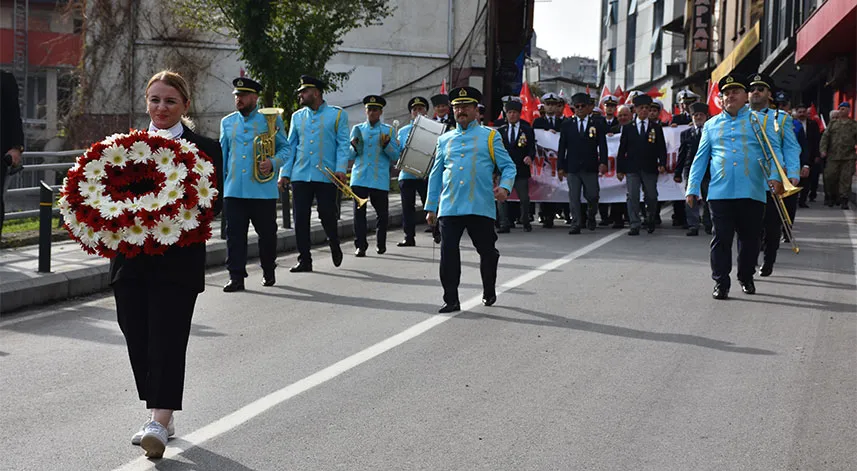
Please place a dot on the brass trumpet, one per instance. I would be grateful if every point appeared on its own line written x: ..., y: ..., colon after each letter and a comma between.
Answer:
x: 790, y: 189
x: 343, y: 187
x: 265, y: 144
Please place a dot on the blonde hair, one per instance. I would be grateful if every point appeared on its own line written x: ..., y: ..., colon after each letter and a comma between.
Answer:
x: 178, y: 82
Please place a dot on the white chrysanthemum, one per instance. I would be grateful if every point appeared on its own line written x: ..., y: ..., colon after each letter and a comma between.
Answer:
x: 176, y: 174
x: 90, y: 189
x: 151, y: 202
x: 88, y: 236
x: 112, y: 138
x: 171, y: 194
x: 94, y: 170
x: 140, y: 152
x: 188, y: 146
x: 116, y: 155
x: 167, y: 232
x: 74, y: 225
x: 188, y: 218
x: 111, y: 209
x: 133, y: 205
x: 136, y: 234
x: 163, y: 133
x: 206, y: 192
x: 62, y: 203
x: 110, y: 239
x: 164, y: 158
x: 203, y: 167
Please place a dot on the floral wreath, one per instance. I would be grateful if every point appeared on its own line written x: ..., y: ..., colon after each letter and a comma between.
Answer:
x: 139, y: 193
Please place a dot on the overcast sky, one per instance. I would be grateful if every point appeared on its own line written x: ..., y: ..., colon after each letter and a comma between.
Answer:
x: 568, y: 27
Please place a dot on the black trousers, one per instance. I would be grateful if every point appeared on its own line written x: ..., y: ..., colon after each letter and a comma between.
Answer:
x: 4, y: 170
x: 772, y: 229
x: 743, y: 217
x: 286, y: 202
x: 325, y: 195
x: 810, y: 188
x: 679, y: 214
x: 481, y: 231
x: 409, y: 189
x: 240, y: 212
x: 155, y: 319
x: 381, y: 204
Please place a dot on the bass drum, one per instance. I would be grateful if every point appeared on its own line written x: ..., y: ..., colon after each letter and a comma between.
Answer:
x: 418, y: 154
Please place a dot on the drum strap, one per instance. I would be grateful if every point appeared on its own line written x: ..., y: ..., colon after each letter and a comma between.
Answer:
x: 491, y: 145
x: 336, y: 123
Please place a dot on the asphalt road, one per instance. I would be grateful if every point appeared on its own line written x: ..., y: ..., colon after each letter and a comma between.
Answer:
x: 604, y: 352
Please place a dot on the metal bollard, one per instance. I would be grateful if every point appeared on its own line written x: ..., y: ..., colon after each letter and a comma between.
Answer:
x: 46, y: 205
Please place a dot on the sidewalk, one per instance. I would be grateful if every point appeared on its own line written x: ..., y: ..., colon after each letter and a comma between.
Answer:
x: 76, y: 273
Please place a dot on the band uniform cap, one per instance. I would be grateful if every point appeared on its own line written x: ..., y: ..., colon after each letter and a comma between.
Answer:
x: 464, y: 95
x: 642, y: 99
x: 376, y: 101
x: 609, y: 100
x: 513, y: 106
x: 732, y: 81
x: 440, y: 99
x: 246, y: 85
x: 416, y: 101
x: 761, y: 79
x: 844, y: 104
x: 580, y: 98
x: 308, y: 81
x: 699, y: 108
x: 551, y: 97
x: 781, y: 97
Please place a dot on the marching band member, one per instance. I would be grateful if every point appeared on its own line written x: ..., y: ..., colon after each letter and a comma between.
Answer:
x: 410, y: 185
x: 246, y: 199
x: 760, y: 101
x: 461, y: 196
x: 642, y: 156
x: 318, y: 137
x: 442, y: 114
x: 686, y: 99
x: 581, y: 156
x: 689, y: 143
x: 736, y: 192
x: 374, y: 148
x: 520, y: 143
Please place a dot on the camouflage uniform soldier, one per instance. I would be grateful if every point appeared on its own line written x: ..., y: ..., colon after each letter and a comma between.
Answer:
x: 838, y: 148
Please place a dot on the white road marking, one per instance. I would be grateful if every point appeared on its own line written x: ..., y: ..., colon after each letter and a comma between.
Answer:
x: 259, y: 406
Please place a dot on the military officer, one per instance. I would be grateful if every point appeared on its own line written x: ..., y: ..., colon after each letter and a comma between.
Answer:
x: 247, y: 199
x: 318, y: 140
x: 686, y: 99
x: 374, y: 148
x: 440, y: 102
x: 736, y: 192
x: 409, y: 184
x: 461, y: 195
x: 837, y: 148
x: 609, y: 103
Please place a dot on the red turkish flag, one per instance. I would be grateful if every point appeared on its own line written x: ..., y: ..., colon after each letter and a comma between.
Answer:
x: 621, y: 95
x: 714, y: 105
x: 529, y: 104
x: 813, y: 115
x: 443, y: 88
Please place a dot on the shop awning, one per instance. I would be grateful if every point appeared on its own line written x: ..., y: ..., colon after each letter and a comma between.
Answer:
x: 828, y: 33
x: 744, y: 47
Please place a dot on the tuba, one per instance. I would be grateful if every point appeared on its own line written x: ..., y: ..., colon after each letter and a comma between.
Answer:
x: 265, y: 145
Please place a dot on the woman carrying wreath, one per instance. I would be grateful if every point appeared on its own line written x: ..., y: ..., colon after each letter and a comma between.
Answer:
x: 155, y: 294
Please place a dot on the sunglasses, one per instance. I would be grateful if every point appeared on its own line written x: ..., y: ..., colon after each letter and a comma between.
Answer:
x: 758, y: 88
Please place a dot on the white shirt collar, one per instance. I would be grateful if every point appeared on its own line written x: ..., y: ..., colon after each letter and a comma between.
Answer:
x: 175, y: 132
x: 642, y: 121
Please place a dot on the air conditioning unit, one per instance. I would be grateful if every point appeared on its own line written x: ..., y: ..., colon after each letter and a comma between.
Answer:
x: 678, y: 68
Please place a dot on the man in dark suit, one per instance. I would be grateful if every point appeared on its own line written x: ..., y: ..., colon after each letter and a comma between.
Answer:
x: 689, y: 142
x: 11, y: 135
x: 442, y: 112
x: 813, y: 155
x: 551, y: 122
x: 520, y: 141
x: 686, y: 99
x: 582, y: 156
x: 642, y: 156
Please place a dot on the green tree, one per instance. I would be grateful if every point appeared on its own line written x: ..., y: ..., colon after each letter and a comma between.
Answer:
x: 282, y: 39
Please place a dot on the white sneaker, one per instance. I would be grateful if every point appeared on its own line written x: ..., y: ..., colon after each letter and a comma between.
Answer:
x: 171, y: 431
x: 154, y: 439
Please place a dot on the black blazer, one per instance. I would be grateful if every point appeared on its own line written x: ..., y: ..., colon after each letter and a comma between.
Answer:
x: 813, y: 139
x: 544, y: 123
x: 688, y: 144
x: 613, y: 126
x: 582, y: 153
x: 517, y: 152
x: 636, y: 154
x: 682, y: 118
x: 183, y: 266
x: 11, y: 127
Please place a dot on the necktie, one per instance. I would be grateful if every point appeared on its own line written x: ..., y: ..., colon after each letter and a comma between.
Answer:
x: 551, y: 118
x: 582, y: 126
x: 511, y: 133
x: 642, y: 127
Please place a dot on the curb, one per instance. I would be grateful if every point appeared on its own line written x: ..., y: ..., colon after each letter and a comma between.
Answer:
x: 55, y: 287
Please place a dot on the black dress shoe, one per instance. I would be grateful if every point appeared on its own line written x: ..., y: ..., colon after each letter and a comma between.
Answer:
x: 692, y: 232
x: 301, y: 267
x: 361, y: 252
x: 650, y: 228
x: 233, y: 286
x: 547, y: 224
x: 720, y: 292
x: 381, y: 249
x: 449, y: 308
x: 748, y: 287
x: 634, y: 231
x: 574, y: 230
x: 844, y: 205
x: 489, y: 300
x: 268, y: 279
x: 503, y: 230
x: 406, y: 243
x: 590, y: 224
x: 618, y: 225
x: 336, y: 255
x: 766, y: 270
x: 604, y: 223
x: 528, y: 228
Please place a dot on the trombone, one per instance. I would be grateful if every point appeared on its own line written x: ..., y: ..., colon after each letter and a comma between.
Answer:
x: 343, y: 187
x: 771, y: 158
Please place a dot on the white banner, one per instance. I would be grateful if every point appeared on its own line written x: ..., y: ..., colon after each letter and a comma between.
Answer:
x: 545, y: 184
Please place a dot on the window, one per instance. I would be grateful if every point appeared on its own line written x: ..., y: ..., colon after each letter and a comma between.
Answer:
x: 605, y: 6
x: 612, y: 13
x: 631, y: 39
x: 36, y: 100
x: 629, y: 76
x: 609, y: 59
x: 632, y: 8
